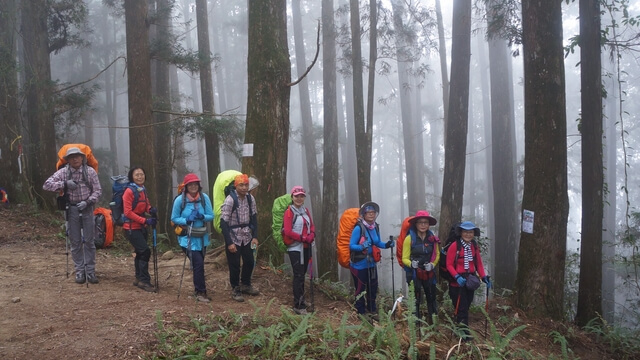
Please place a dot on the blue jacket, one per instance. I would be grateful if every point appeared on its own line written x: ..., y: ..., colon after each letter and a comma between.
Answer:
x: 372, y: 238
x: 179, y: 217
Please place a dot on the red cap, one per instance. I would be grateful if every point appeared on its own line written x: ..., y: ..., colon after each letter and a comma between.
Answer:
x: 189, y: 178
x: 298, y: 190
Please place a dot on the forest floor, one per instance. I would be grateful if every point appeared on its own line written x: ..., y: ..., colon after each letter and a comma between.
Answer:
x: 45, y: 315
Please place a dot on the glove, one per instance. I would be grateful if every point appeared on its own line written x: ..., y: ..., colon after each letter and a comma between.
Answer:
x: 389, y: 244
x: 415, y: 264
x: 193, y: 216
x: 365, y: 245
x: 461, y: 281
x: 153, y: 212
x: 71, y: 185
x: 81, y: 205
x: 428, y: 266
x: 199, y: 216
x: 151, y: 221
x: 487, y: 280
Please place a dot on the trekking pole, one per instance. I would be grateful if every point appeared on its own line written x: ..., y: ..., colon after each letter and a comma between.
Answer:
x: 393, y: 278
x: 84, y: 256
x: 313, y: 305
x: 66, y: 233
x: 155, y: 258
x: 486, y: 309
x: 184, y: 263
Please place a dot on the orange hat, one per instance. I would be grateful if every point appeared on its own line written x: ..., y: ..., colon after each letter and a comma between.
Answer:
x: 241, y: 179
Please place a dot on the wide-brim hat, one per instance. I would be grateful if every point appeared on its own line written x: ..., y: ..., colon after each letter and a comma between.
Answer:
x: 468, y: 225
x: 74, y: 151
x: 423, y: 214
x: 369, y: 206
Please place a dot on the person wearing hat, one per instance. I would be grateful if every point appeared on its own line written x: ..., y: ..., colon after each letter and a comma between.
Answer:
x: 363, y: 268
x: 135, y: 204
x: 239, y: 224
x: 464, y: 263
x: 192, y: 208
x: 420, y: 256
x: 298, y: 232
x: 80, y: 183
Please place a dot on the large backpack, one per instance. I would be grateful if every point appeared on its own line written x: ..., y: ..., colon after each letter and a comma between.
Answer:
x: 91, y: 160
x: 404, y: 231
x: 348, y: 222
x: 453, y: 237
x: 223, y: 187
x: 280, y: 205
x: 103, y: 233
x: 120, y: 184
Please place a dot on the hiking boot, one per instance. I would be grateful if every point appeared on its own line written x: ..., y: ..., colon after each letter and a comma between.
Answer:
x: 136, y: 282
x: 80, y: 279
x: 373, y: 317
x: 236, y: 295
x: 146, y: 287
x: 249, y: 290
x: 92, y: 278
x: 300, y: 311
x: 202, y: 297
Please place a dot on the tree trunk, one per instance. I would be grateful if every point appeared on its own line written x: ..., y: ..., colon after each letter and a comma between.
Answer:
x: 308, y: 139
x: 10, y: 128
x: 363, y: 142
x: 267, y: 130
x: 41, y: 150
x: 457, y: 122
x: 540, y: 279
x: 503, y: 136
x: 141, y: 140
x: 590, y: 287
x: 327, y: 246
x: 444, y: 73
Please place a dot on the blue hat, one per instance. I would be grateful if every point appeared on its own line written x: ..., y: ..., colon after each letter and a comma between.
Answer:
x: 468, y: 225
x: 369, y: 206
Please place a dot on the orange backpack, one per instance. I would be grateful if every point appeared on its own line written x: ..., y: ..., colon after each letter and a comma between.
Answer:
x: 404, y: 231
x: 103, y: 234
x: 348, y: 222
x: 91, y: 160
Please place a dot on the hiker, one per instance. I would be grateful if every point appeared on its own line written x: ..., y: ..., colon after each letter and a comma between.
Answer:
x: 240, y: 229
x: 192, y: 208
x: 363, y: 265
x: 420, y: 255
x: 463, y: 263
x: 80, y: 182
x: 135, y: 205
x: 298, y: 226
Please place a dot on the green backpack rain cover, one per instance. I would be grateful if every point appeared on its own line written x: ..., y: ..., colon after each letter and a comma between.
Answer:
x: 222, y: 181
x: 280, y: 205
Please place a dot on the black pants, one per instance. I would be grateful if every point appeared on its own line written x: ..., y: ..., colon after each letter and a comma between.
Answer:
x: 245, y: 253
x: 197, y: 263
x: 462, y: 299
x: 138, y: 239
x: 299, y: 270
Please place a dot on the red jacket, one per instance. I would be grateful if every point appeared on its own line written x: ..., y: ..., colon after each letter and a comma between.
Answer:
x: 136, y: 219
x: 458, y: 267
x: 289, y: 236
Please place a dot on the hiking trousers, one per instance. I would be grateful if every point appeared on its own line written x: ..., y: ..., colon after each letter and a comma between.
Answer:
x: 83, y: 252
x: 197, y: 263
x: 465, y: 297
x: 428, y: 288
x: 366, y: 284
x: 299, y: 269
x: 245, y: 253
x: 138, y: 239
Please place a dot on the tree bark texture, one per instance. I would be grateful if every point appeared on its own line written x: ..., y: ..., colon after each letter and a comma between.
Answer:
x: 141, y: 133
x: 540, y: 279
x: 269, y: 72
x: 590, y: 287
x: 41, y: 150
x: 457, y: 123
x: 327, y: 246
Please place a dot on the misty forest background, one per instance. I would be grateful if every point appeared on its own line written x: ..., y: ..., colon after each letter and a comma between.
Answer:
x: 472, y: 110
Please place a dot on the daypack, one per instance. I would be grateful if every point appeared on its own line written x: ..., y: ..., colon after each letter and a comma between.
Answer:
x: 91, y: 160
x: 103, y: 233
x: 223, y: 187
x: 348, y: 222
x: 120, y: 184
x: 280, y: 205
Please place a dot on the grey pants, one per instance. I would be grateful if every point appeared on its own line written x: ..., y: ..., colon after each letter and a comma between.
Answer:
x: 83, y: 247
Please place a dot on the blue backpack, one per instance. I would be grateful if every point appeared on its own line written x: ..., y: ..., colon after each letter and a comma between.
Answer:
x: 120, y: 184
